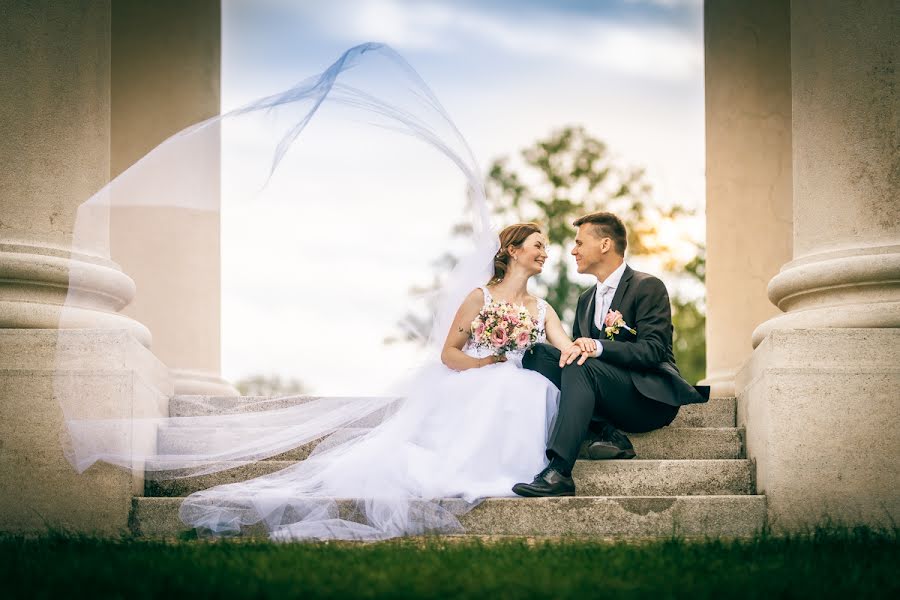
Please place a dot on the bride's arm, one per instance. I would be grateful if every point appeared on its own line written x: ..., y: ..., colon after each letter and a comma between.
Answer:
x: 556, y: 335
x: 452, y: 354
x: 581, y: 349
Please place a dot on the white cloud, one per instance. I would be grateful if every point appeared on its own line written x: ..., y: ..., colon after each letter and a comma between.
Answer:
x: 654, y: 52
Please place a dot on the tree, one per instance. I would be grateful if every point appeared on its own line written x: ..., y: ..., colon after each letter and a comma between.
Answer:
x: 689, y: 321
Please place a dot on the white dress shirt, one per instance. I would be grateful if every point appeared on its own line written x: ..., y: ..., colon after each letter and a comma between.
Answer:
x: 606, y: 289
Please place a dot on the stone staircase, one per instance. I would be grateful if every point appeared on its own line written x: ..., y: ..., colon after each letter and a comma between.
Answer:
x: 691, y: 478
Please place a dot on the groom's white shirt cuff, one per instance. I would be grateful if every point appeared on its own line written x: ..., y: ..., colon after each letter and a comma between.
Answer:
x: 599, y: 349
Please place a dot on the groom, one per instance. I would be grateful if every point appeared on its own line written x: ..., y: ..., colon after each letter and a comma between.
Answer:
x: 610, y: 380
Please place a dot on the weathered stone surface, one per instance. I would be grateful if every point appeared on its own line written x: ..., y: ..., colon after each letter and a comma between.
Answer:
x: 822, y: 408
x: 625, y: 517
x: 747, y: 90
x: 846, y: 224
x: 621, y: 517
x: 240, y: 472
x: 663, y: 477
x: 176, y: 47
x: 81, y: 350
x: 607, y: 477
x: 38, y: 486
x: 668, y: 442
x: 718, y: 412
x: 687, y: 443
x: 94, y: 373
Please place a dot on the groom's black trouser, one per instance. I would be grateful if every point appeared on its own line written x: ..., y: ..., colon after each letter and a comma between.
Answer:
x: 593, y: 394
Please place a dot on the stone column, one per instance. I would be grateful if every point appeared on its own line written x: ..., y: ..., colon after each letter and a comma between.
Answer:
x: 820, y: 397
x: 54, y: 152
x: 54, y: 112
x: 166, y: 76
x: 748, y: 174
x: 846, y: 257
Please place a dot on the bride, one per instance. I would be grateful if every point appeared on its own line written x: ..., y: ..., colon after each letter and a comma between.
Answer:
x: 467, y: 429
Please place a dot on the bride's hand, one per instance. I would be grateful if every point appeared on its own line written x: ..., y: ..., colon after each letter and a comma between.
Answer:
x: 491, y: 360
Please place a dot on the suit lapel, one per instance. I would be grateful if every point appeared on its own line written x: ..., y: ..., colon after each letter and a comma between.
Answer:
x: 587, y: 315
x: 620, y: 289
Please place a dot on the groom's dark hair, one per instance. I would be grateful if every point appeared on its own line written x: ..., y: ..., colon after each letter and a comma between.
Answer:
x: 606, y: 224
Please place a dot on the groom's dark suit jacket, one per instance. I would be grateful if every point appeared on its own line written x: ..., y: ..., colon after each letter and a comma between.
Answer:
x: 644, y: 303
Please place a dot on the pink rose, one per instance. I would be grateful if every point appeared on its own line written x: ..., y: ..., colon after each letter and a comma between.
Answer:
x: 499, y: 337
x: 523, y: 339
x: 612, y: 317
x: 478, y: 329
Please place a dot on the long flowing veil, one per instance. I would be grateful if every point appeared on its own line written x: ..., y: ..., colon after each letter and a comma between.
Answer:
x: 370, y: 88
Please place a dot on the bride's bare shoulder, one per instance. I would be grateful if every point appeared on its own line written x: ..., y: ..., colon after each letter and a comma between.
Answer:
x: 474, y: 297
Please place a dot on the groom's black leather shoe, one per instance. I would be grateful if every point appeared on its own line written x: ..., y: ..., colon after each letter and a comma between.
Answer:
x: 548, y: 482
x: 609, y: 444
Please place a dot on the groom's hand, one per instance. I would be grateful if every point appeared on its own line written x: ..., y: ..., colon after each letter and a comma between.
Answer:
x: 568, y: 356
x: 587, y: 345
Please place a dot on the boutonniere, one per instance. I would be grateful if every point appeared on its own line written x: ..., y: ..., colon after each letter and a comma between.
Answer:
x: 613, y: 322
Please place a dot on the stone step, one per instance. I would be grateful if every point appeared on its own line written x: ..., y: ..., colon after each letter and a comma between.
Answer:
x: 718, y: 412
x: 597, y: 516
x: 592, y: 478
x: 669, y: 442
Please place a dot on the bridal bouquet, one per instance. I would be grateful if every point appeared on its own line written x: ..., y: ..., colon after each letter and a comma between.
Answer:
x: 502, y: 327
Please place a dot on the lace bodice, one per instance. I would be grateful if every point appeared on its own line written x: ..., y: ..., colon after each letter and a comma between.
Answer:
x: 514, y: 355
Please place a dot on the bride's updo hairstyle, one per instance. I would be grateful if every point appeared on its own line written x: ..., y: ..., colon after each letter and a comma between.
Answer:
x: 514, y: 235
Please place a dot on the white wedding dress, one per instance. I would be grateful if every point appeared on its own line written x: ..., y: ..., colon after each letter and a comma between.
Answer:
x: 462, y: 436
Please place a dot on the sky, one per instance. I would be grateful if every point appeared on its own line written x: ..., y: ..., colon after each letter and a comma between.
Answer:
x: 309, y: 289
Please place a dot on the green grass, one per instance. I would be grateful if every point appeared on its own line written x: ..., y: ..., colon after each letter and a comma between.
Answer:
x: 828, y: 563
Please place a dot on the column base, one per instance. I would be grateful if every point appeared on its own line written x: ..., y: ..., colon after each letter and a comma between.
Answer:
x: 102, y: 373
x: 821, y: 408
x: 855, y: 288
x: 201, y: 383
x: 50, y: 288
x: 721, y: 383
